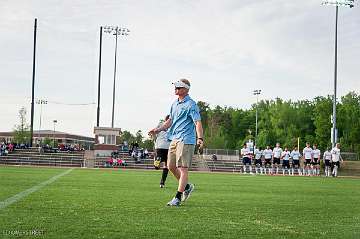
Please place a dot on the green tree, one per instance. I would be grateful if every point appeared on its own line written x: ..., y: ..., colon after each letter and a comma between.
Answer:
x: 22, y: 130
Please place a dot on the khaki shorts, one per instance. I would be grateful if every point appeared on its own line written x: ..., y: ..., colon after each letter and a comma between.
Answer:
x: 180, y: 153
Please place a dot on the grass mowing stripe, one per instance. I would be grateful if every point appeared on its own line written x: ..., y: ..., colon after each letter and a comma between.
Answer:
x: 22, y: 194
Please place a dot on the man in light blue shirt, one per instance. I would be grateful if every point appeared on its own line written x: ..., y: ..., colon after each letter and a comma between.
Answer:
x: 184, y: 125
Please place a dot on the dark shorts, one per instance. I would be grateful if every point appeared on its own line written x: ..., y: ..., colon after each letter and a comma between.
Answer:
x: 276, y: 161
x: 246, y: 160
x: 296, y: 162
x: 327, y: 163
x: 286, y: 163
x: 307, y: 161
x: 316, y: 161
x: 335, y: 163
x: 162, y: 155
x: 267, y: 161
x: 258, y: 162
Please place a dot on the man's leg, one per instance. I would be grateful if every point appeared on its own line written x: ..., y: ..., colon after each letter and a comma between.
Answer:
x: 183, y: 179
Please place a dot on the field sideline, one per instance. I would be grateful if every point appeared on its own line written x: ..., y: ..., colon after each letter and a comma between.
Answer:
x: 107, y: 203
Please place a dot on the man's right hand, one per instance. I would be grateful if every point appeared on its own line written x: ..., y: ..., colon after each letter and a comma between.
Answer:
x: 152, y: 132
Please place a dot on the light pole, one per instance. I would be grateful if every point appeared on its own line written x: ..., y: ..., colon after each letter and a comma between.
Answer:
x: 257, y: 93
x: 33, y: 85
x: 54, y: 121
x: 115, y: 30
x: 336, y: 3
x: 40, y: 102
x: 99, y: 77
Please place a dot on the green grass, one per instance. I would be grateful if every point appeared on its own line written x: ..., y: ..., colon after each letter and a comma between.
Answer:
x: 130, y: 204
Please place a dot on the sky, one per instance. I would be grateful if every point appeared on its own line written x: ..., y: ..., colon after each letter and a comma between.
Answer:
x: 225, y: 48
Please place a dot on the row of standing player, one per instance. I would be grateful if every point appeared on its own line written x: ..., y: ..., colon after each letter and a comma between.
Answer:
x: 272, y: 160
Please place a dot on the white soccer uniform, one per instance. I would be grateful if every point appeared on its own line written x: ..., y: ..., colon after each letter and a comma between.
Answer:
x: 316, y: 153
x: 277, y: 152
x: 335, y: 153
x: 327, y: 158
x: 285, y: 155
x: 245, y: 152
x: 162, y: 141
x: 327, y: 155
x: 307, y: 152
x: 258, y: 154
x: 335, y: 157
x: 267, y: 153
x: 295, y: 155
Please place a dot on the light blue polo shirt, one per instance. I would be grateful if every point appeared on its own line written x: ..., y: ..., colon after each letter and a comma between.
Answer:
x: 183, y: 115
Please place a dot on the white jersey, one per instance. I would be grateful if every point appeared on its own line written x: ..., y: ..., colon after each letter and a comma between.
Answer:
x: 295, y: 155
x: 285, y: 155
x: 245, y: 152
x: 258, y: 153
x: 267, y: 153
x: 162, y: 141
x: 335, y: 153
x: 316, y: 153
x: 277, y: 151
x: 327, y: 155
x: 307, y: 152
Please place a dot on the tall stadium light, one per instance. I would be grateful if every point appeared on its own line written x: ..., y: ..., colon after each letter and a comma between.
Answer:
x: 337, y: 4
x: 99, y: 77
x: 116, y: 31
x: 54, y: 121
x: 41, y: 103
x: 33, y: 86
x: 257, y: 93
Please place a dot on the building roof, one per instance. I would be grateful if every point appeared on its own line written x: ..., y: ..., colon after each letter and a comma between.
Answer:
x: 52, y: 133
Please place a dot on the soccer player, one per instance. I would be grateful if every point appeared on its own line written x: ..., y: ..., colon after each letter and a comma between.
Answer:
x: 285, y: 156
x: 295, y: 155
x: 307, y: 152
x: 327, y: 162
x: 258, y: 163
x: 246, y: 157
x: 277, y: 151
x: 267, y: 156
x: 335, y: 160
x: 184, y: 131
x: 161, y: 152
x: 315, y: 163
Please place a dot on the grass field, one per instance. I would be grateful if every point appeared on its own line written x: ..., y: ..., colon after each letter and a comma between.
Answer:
x: 89, y: 203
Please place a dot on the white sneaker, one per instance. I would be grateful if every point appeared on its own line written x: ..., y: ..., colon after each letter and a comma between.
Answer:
x: 174, y: 202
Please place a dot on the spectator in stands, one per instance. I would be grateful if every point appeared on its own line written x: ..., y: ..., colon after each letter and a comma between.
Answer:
x: 146, y: 153
x: 214, y: 157
x: 11, y: 147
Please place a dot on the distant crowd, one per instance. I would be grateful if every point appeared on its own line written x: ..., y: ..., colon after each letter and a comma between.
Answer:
x: 5, y: 148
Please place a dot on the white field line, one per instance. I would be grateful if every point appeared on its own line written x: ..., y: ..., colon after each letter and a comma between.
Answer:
x: 23, y: 194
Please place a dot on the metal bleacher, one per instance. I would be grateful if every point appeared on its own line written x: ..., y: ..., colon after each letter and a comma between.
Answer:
x: 32, y: 156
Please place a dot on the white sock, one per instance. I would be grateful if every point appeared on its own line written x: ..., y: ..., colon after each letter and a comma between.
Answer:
x: 250, y: 169
x: 335, y: 168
